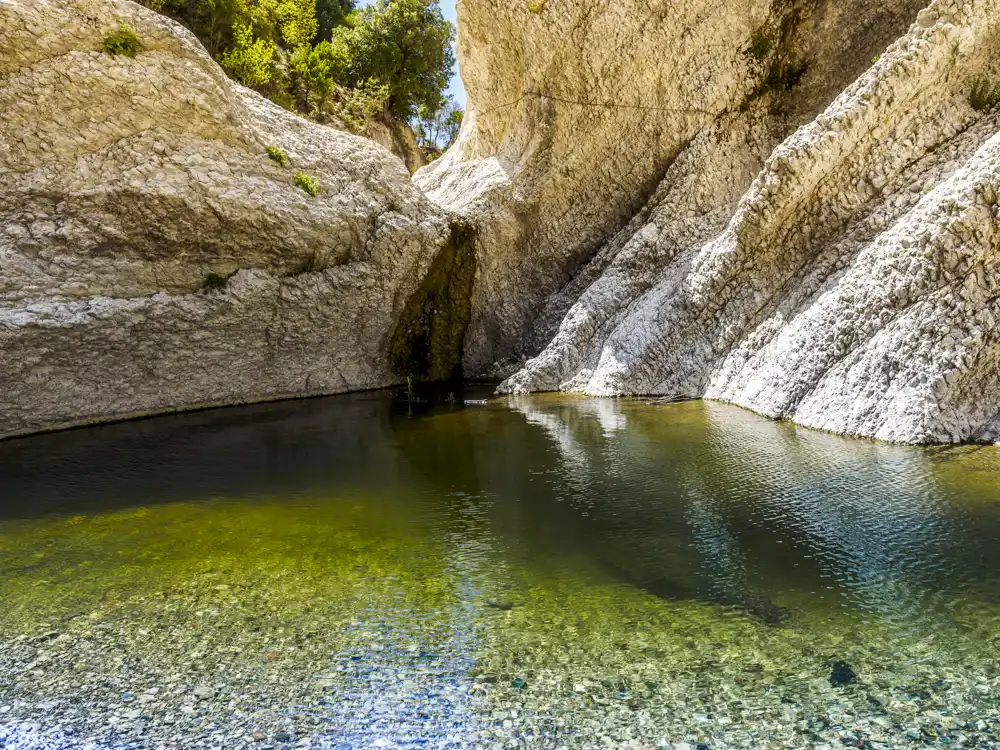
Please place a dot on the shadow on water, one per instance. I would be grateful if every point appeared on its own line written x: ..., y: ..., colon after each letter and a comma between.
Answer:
x: 690, y: 501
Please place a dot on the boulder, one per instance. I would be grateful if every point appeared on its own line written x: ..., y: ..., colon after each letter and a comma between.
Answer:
x: 154, y: 256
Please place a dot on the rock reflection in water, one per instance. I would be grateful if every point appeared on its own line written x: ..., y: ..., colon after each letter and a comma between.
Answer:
x: 547, y: 569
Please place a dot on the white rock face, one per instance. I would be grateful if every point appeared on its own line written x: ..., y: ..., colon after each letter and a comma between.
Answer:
x: 582, y: 110
x: 854, y: 287
x: 641, y: 216
x: 127, y: 184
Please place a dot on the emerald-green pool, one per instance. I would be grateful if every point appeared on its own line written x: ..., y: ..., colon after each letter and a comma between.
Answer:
x: 537, y: 572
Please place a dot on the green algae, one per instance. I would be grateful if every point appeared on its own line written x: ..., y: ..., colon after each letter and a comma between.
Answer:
x: 574, y: 567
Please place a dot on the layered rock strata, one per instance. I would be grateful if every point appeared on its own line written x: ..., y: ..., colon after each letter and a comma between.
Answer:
x: 855, y: 286
x: 584, y: 111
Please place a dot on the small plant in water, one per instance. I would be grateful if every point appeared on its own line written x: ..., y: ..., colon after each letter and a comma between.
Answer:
x: 985, y: 94
x: 308, y: 183
x: 409, y: 387
x: 450, y: 398
x: 277, y: 155
x: 123, y: 42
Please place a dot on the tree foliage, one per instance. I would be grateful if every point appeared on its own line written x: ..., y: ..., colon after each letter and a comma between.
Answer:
x: 437, y: 128
x: 406, y: 44
x: 326, y: 59
x: 313, y: 73
x: 226, y: 26
x: 329, y: 15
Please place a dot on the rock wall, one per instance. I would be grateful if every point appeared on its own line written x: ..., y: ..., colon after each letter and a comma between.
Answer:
x: 153, y: 257
x: 582, y: 108
x: 751, y: 201
x: 853, y: 287
x: 399, y: 138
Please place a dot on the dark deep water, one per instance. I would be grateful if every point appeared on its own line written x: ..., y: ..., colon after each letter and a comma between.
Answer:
x: 544, y: 571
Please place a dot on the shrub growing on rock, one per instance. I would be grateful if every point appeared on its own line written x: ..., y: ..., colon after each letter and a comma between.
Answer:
x: 214, y: 283
x: 308, y: 183
x: 123, y: 42
x: 761, y: 44
x: 277, y: 155
x: 985, y: 94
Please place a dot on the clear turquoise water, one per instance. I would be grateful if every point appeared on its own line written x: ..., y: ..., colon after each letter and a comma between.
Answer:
x: 551, y: 570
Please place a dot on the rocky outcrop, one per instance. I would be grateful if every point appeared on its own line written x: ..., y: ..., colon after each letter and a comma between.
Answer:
x: 399, y: 138
x: 850, y: 284
x: 751, y: 201
x: 583, y: 109
x: 153, y: 256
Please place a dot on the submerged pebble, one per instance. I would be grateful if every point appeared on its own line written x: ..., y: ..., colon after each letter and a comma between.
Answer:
x: 842, y: 674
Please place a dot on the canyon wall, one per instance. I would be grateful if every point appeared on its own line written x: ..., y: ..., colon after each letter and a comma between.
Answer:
x: 581, y: 110
x: 791, y: 206
x: 842, y: 275
x: 154, y: 257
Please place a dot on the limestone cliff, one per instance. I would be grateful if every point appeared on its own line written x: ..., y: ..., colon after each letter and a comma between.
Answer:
x: 791, y: 205
x: 850, y: 284
x: 583, y: 108
x: 153, y: 257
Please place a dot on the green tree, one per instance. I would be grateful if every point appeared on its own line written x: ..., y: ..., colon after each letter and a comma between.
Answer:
x: 329, y: 15
x: 212, y: 21
x: 392, y: 59
x: 436, y: 129
x: 313, y: 73
x: 296, y: 20
x: 243, y: 34
x: 406, y: 44
x: 249, y: 60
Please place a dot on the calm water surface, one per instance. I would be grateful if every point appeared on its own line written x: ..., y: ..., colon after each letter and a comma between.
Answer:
x: 545, y: 571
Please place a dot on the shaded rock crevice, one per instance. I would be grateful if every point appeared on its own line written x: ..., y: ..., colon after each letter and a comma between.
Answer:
x: 427, y: 341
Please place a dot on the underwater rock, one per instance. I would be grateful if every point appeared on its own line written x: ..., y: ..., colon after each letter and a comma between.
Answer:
x: 842, y: 674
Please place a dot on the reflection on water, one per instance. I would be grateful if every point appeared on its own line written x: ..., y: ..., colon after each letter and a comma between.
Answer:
x: 540, y: 569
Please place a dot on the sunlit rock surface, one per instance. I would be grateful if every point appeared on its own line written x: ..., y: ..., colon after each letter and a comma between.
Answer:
x: 851, y: 286
x: 589, y: 114
x: 153, y: 257
x: 789, y: 206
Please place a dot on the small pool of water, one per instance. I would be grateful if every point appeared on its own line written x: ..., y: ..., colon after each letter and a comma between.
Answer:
x: 537, y: 572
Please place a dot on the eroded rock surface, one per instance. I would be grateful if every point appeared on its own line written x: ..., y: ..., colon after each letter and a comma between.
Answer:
x: 791, y: 206
x: 851, y: 284
x: 153, y: 257
x: 583, y: 108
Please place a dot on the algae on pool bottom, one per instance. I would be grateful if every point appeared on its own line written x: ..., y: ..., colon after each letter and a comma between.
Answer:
x: 539, y: 572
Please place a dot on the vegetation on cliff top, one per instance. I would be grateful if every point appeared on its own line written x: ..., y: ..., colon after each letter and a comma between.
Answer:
x: 327, y: 60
